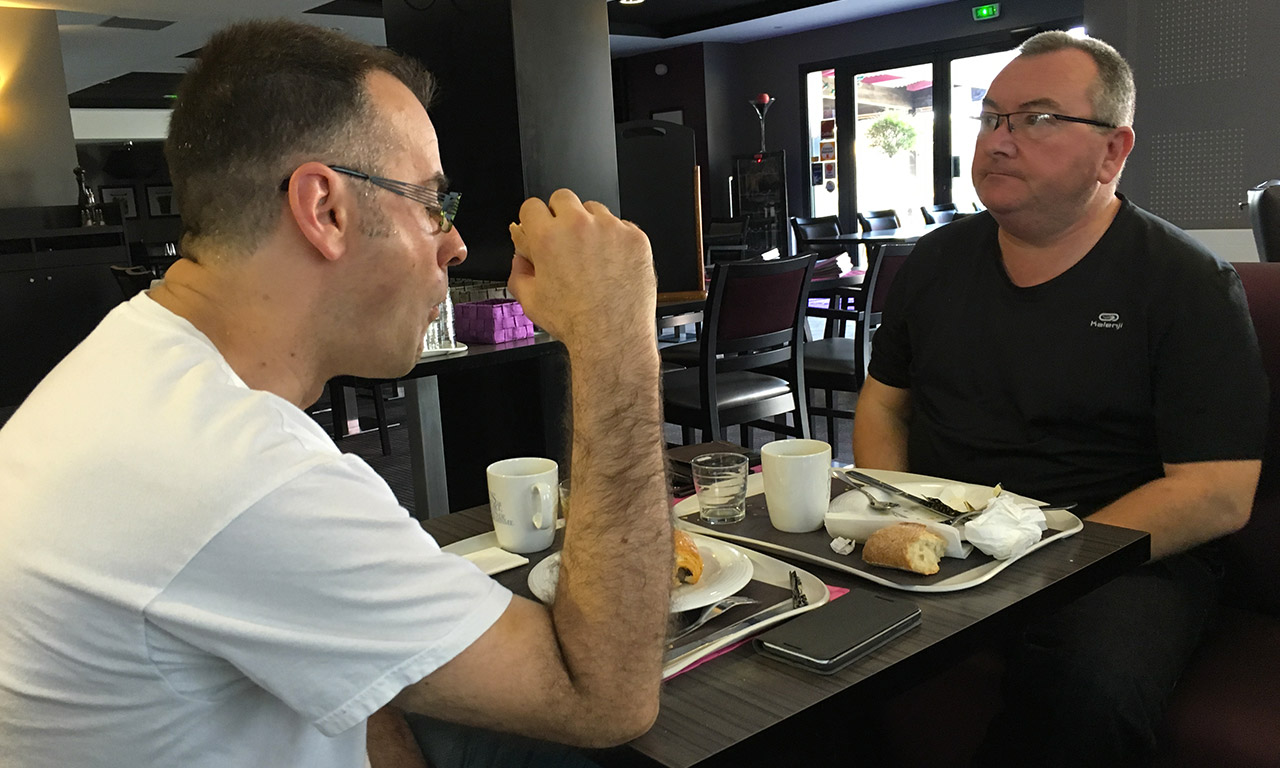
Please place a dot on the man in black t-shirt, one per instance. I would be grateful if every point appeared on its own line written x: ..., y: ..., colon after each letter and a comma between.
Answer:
x: 1076, y: 348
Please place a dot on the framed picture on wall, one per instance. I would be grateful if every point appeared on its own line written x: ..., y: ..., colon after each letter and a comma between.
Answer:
x: 124, y: 195
x: 670, y: 116
x: 160, y: 201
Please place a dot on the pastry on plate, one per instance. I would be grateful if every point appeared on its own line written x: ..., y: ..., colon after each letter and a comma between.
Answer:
x: 688, y: 567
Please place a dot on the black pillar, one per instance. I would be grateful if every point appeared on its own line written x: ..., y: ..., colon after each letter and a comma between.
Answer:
x: 525, y: 106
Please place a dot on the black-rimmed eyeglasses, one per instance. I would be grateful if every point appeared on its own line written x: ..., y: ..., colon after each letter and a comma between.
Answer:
x: 1033, y: 125
x: 445, y: 204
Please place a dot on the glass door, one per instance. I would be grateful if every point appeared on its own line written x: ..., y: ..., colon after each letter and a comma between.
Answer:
x: 824, y: 183
x: 970, y: 78
x: 893, y: 140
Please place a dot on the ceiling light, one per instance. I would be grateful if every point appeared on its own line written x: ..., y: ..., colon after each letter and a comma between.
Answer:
x: 630, y: 2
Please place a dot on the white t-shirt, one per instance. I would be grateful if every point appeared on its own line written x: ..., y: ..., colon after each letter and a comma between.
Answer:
x: 191, y: 573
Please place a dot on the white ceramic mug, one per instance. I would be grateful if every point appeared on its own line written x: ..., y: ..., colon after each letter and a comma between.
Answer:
x: 523, y: 500
x: 797, y: 483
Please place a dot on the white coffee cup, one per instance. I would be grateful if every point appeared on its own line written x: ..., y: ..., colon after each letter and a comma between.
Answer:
x: 797, y: 483
x: 523, y: 500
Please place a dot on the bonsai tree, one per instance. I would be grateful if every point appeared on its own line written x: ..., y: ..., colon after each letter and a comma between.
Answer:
x: 891, y: 134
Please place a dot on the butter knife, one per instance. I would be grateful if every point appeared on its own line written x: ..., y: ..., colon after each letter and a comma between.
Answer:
x: 933, y: 505
x: 732, y: 629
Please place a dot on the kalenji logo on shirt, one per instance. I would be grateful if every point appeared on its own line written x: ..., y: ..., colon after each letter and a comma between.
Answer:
x: 1109, y: 320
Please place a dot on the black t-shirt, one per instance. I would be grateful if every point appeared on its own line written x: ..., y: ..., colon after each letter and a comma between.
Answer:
x: 1079, y: 388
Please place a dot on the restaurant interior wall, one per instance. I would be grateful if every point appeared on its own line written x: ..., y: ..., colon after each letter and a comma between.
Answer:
x: 695, y: 79
x: 1206, y: 78
x: 138, y: 166
x: 37, y: 151
x: 525, y: 107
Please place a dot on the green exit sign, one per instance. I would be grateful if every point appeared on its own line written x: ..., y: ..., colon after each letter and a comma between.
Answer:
x: 984, y: 12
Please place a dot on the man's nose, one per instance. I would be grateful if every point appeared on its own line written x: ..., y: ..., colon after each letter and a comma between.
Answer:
x: 454, y: 250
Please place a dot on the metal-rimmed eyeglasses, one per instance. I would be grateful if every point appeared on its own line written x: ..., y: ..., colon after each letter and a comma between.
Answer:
x: 1033, y: 125
x: 444, y: 204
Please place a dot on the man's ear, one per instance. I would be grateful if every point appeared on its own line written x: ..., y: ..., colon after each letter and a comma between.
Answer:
x: 321, y: 208
x: 1119, y: 145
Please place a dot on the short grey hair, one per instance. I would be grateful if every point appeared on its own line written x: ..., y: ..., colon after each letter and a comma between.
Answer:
x: 1112, y: 94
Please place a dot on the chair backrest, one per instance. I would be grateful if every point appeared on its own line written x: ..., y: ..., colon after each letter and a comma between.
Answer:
x: 755, y: 313
x: 885, y: 264
x: 1264, y: 214
x: 132, y: 280
x: 1254, y: 551
x: 874, y: 221
x: 938, y: 214
x: 822, y: 226
x: 726, y: 231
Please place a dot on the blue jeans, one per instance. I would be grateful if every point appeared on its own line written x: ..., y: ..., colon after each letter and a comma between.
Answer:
x: 1088, y: 685
x: 449, y: 745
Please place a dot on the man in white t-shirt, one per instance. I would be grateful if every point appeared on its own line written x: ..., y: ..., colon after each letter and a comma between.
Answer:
x: 192, y: 574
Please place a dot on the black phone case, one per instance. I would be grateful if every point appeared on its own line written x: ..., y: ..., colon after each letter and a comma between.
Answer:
x: 833, y: 636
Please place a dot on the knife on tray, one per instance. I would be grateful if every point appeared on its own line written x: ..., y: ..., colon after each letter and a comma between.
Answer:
x: 933, y: 505
x: 732, y: 629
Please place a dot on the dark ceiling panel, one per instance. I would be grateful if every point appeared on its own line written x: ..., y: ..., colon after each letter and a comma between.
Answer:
x: 369, y: 9
x: 669, y: 18
x: 136, y: 90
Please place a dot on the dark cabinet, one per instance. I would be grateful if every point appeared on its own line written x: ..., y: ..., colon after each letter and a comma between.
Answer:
x: 55, y: 287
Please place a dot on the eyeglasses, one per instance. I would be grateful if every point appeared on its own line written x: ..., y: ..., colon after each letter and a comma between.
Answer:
x: 443, y: 203
x: 1033, y: 125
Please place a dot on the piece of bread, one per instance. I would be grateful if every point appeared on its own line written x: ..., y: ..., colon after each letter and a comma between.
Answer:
x: 688, y: 568
x: 907, y: 546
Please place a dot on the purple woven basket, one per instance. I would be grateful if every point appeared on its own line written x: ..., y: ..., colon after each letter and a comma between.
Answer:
x: 491, y: 321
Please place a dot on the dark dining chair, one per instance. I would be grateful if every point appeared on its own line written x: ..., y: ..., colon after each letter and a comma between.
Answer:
x: 938, y: 214
x: 840, y: 364
x: 822, y: 226
x: 840, y: 296
x: 1264, y: 216
x: 132, y: 280
x: 875, y: 221
x: 755, y: 319
x: 726, y: 239
x: 373, y: 389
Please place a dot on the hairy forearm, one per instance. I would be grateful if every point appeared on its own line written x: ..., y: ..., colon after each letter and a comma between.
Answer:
x: 619, y: 531
x: 1184, y: 510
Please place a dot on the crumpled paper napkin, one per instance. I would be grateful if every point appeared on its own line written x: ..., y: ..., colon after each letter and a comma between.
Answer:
x: 1007, y: 528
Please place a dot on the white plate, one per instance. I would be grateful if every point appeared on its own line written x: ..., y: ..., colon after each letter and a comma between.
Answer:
x: 455, y: 349
x: 725, y: 570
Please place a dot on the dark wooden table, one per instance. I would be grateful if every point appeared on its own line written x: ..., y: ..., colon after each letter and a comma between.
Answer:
x: 876, y: 237
x: 426, y: 429
x: 741, y: 707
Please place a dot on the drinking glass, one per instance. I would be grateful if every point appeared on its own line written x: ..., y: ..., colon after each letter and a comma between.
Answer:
x: 720, y: 481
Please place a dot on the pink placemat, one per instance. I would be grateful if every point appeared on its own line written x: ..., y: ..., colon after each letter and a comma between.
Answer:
x: 834, y: 591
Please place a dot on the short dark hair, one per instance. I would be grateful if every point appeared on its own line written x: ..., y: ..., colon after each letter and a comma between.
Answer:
x: 264, y: 97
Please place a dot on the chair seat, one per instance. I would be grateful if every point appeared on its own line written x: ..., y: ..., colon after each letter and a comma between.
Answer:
x: 681, y: 355
x: 734, y: 388
x: 837, y: 357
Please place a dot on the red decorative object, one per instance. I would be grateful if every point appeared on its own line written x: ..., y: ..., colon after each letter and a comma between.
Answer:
x: 762, y: 98
x: 491, y: 321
